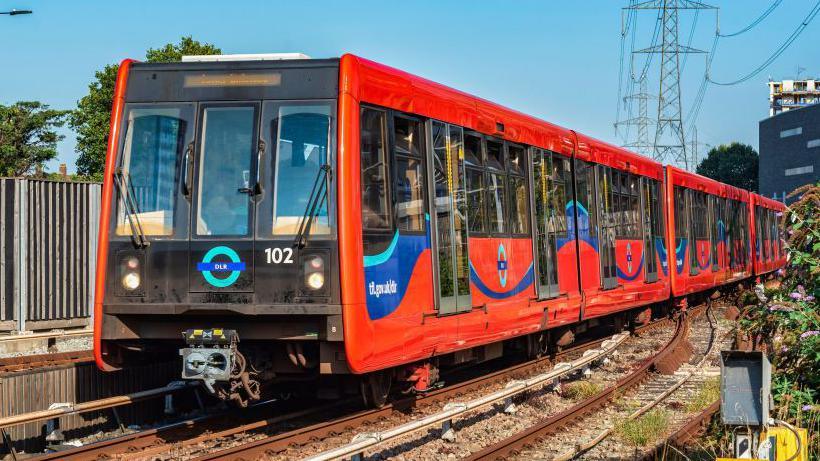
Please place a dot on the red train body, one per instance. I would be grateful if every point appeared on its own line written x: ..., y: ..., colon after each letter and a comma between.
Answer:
x: 454, y: 227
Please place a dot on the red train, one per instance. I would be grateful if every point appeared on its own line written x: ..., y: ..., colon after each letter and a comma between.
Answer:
x: 275, y: 220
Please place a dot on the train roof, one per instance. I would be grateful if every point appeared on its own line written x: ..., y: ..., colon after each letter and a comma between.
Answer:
x: 680, y: 177
x: 766, y: 202
x: 378, y: 84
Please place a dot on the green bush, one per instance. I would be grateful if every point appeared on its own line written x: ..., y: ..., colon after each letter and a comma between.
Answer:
x: 784, y: 317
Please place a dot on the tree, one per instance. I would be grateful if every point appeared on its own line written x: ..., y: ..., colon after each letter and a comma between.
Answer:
x: 91, y: 120
x: 734, y: 164
x: 28, y: 136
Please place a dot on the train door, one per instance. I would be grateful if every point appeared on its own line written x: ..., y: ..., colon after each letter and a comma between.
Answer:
x: 649, y: 199
x: 217, y: 179
x: 608, y: 228
x: 449, y: 220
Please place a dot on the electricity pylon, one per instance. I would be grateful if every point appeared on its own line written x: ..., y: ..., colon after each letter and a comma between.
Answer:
x: 670, y: 141
x: 641, y: 145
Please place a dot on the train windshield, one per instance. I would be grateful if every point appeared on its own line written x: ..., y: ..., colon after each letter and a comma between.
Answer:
x: 154, y: 141
x: 303, y: 138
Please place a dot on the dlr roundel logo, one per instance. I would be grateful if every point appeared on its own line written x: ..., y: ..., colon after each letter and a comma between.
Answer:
x: 502, y: 265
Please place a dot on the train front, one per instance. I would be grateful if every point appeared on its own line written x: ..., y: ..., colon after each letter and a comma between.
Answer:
x: 218, y: 238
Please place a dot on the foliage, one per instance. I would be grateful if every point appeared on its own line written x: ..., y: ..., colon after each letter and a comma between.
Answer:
x: 645, y: 429
x: 734, y: 164
x: 581, y: 390
x: 707, y: 394
x: 784, y: 316
x: 28, y: 136
x: 91, y: 120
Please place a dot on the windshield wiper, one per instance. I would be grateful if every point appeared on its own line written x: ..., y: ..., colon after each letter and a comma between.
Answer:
x: 131, y: 208
x: 317, y: 195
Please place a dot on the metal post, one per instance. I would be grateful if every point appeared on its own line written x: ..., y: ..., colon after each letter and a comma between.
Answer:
x: 21, y: 253
x: 118, y: 420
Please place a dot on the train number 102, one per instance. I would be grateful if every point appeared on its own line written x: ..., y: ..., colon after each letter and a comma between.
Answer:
x: 279, y: 255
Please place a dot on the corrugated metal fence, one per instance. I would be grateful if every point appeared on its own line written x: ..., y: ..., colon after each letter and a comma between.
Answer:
x: 48, y: 247
x: 34, y: 390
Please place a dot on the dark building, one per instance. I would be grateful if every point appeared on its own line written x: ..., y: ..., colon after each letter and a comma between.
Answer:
x: 789, y: 151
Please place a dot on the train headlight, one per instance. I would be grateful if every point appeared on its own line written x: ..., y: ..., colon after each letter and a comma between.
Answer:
x: 315, y: 280
x: 131, y: 281
x: 132, y: 263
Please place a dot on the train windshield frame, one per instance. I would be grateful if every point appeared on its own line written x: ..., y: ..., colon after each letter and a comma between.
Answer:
x: 165, y: 160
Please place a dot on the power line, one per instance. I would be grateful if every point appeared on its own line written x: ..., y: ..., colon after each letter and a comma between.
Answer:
x: 757, y: 21
x: 800, y: 28
x: 689, y: 41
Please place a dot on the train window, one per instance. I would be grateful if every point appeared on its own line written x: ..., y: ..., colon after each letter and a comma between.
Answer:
x: 516, y: 159
x: 519, y: 193
x: 496, y: 201
x: 586, y: 209
x: 634, y: 207
x: 227, y: 148
x: 560, y: 180
x: 408, y: 136
x: 714, y: 217
x: 550, y: 175
x: 609, y: 226
x: 495, y: 155
x: 472, y: 150
x: 409, y: 194
x: 302, y: 132
x: 376, y: 212
x: 154, y: 141
x: 450, y: 214
x: 477, y: 219
x: 519, y: 209
x: 681, y: 221
x: 652, y: 225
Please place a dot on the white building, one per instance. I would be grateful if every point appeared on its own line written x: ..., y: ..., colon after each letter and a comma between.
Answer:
x: 792, y: 94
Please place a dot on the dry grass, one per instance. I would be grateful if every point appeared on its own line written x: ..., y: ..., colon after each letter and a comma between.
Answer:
x: 707, y: 394
x: 581, y: 390
x: 642, y: 431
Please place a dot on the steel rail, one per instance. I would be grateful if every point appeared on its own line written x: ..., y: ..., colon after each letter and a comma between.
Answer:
x: 603, y: 435
x: 297, y: 437
x: 27, y: 362
x: 453, y: 410
x: 101, y: 404
x: 156, y: 439
x: 512, y: 445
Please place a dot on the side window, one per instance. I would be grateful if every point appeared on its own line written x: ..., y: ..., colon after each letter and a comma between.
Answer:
x: 585, y: 180
x: 560, y: 182
x: 376, y: 213
x: 496, y: 187
x: 519, y: 194
x: 633, y: 210
x: 550, y: 180
x: 477, y: 220
x: 408, y: 137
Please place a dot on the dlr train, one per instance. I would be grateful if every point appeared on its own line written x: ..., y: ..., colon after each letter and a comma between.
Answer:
x: 274, y: 219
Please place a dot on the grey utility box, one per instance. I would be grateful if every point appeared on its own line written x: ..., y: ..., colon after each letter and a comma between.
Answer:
x: 745, y: 388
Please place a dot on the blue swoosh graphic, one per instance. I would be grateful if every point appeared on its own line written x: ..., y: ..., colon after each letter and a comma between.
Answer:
x: 622, y: 275
x: 525, y: 282
x: 661, y: 249
x: 375, y: 260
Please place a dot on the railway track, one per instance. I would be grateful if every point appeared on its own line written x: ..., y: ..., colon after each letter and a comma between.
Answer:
x: 585, y: 430
x: 219, y: 436
x: 29, y: 362
x: 288, y: 445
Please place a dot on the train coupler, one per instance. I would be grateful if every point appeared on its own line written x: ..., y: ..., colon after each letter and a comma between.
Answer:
x: 212, y: 356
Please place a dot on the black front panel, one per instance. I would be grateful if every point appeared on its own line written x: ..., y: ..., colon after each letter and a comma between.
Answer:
x: 234, y: 81
x: 219, y: 182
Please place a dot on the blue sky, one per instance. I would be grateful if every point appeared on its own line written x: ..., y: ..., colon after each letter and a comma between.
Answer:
x: 555, y: 60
